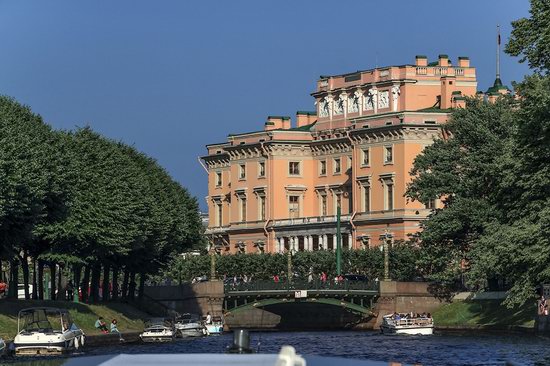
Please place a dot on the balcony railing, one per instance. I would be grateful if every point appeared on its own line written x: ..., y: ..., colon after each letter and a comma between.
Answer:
x: 216, y: 229
x: 439, y: 70
x: 299, y: 284
x: 309, y: 220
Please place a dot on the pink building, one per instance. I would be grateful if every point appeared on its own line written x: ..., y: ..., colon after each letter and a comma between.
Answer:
x: 279, y: 188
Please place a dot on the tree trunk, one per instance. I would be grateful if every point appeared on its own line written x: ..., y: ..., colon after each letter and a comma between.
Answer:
x: 77, y: 270
x: 115, y: 283
x: 40, y: 280
x: 132, y: 286
x: 14, y: 279
x: 85, y: 284
x: 60, y: 286
x: 106, y: 282
x: 34, y: 283
x: 1, y: 272
x: 96, y: 277
x: 53, y: 279
x: 25, y: 267
x: 141, y: 285
x: 125, y: 284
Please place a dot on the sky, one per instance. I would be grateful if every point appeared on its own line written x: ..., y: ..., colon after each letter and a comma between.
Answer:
x: 170, y: 76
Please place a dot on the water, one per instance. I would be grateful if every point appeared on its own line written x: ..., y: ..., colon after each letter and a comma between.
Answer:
x: 439, y: 349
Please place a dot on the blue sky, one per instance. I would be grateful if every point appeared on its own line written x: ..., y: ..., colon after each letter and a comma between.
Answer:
x: 172, y: 76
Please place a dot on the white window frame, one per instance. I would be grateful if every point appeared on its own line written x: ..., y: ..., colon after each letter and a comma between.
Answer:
x: 334, y: 160
x: 298, y: 164
x: 242, y: 171
x: 365, y: 152
x: 386, y: 160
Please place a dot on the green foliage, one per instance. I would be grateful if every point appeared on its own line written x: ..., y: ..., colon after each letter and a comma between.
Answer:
x: 494, y: 179
x: 531, y: 37
x: 369, y: 262
x: 77, y: 198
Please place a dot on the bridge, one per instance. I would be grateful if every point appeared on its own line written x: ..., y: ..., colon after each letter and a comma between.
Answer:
x: 348, y: 301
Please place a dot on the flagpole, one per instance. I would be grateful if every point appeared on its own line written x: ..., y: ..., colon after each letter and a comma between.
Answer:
x: 498, y: 51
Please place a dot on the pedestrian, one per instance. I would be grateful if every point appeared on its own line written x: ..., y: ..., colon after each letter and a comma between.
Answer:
x: 100, y: 325
x: 70, y: 290
x: 276, y: 278
x: 208, y: 318
x: 114, y: 329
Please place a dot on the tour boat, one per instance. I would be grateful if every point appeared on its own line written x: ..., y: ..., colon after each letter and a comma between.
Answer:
x: 44, y: 330
x: 216, y: 327
x: 158, y: 330
x: 189, y: 325
x: 404, y: 324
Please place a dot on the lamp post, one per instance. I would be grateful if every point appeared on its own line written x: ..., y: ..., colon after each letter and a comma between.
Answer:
x: 338, y: 243
x: 386, y: 237
x: 213, y: 266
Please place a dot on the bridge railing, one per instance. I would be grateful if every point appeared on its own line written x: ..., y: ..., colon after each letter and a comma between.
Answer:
x: 315, y: 285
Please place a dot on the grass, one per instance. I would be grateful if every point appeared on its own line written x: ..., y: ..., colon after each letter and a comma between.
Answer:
x: 83, y: 315
x: 485, y: 313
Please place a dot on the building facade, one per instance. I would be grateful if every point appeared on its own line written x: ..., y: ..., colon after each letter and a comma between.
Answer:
x: 278, y: 189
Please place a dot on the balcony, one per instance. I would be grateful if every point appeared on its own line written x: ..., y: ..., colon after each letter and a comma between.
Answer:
x: 310, y: 220
x: 216, y: 230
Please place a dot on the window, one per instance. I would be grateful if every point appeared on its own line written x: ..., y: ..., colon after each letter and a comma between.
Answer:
x: 218, y: 179
x: 430, y: 204
x: 293, y: 207
x: 389, y: 196
x: 366, y: 157
x: 337, y: 166
x: 366, y: 198
x: 294, y: 168
x: 323, y: 204
x: 219, y: 214
x: 243, y: 209
x: 323, y: 167
x: 261, y: 208
x: 388, y: 154
x: 242, y: 171
x: 261, y: 169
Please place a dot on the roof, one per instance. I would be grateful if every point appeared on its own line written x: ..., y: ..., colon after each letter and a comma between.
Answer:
x: 497, y: 87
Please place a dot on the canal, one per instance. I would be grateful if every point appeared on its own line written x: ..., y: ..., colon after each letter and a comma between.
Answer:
x: 439, y: 349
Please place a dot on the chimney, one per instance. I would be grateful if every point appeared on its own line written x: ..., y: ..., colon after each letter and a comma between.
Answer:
x: 421, y: 60
x: 304, y: 118
x: 448, y: 86
x: 443, y: 60
x: 463, y: 61
x: 277, y: 122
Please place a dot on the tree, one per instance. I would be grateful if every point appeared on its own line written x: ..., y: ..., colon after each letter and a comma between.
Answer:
x: 531, y: 37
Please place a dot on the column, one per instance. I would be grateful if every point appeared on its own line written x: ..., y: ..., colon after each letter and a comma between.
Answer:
x: 280, y: 244
x: 310, y: 243
x: 350, y: 241
x: 295, y: 246
x: 325, y: 242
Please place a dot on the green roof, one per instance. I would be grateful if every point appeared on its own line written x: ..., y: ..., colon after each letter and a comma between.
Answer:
x: 278, y: 117
x: 434, y: 63
x: 421, y: 56
x: 309, y: 113
x: 456, y: 92
x: 269, y: 123
x: 305, y: 128
x: 443, y: 56
x: 497, y: 87
x: 463, y: 58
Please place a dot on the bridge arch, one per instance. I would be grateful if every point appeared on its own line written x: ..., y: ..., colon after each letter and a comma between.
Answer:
x: 262, y: 303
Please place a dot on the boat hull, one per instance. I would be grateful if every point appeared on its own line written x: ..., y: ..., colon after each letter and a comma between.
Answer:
x: 407, y: 330
x: 43, y: 344
x: 214, y: 329
x: 157, y: 337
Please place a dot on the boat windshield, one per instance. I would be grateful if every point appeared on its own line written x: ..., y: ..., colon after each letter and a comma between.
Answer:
x: 187, y: 318
x: 41, y: 320
x: 158, y: 322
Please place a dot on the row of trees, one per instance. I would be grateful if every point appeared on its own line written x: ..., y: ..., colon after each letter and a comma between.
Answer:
x: 94, y: 207
x: 369, y: 262
x: 493, y: 176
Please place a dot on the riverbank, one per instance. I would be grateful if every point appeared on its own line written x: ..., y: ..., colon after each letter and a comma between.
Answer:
x: 485, y: 315
x: 130, y: 319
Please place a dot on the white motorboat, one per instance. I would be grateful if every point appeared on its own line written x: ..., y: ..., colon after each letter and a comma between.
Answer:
x: 189, y: 325
x: 45, y: 330
x: 158, y: 330
x: 405, y: 324
x: 216, y: 326
x: 2, y: 346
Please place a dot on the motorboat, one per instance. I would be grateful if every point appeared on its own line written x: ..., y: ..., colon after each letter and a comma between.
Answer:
x: 158, y: 330
x: 215, y: 327
x: 407, y: 324
x: 44, y: 330
x: 189, y: 325
x: 2, y: 346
